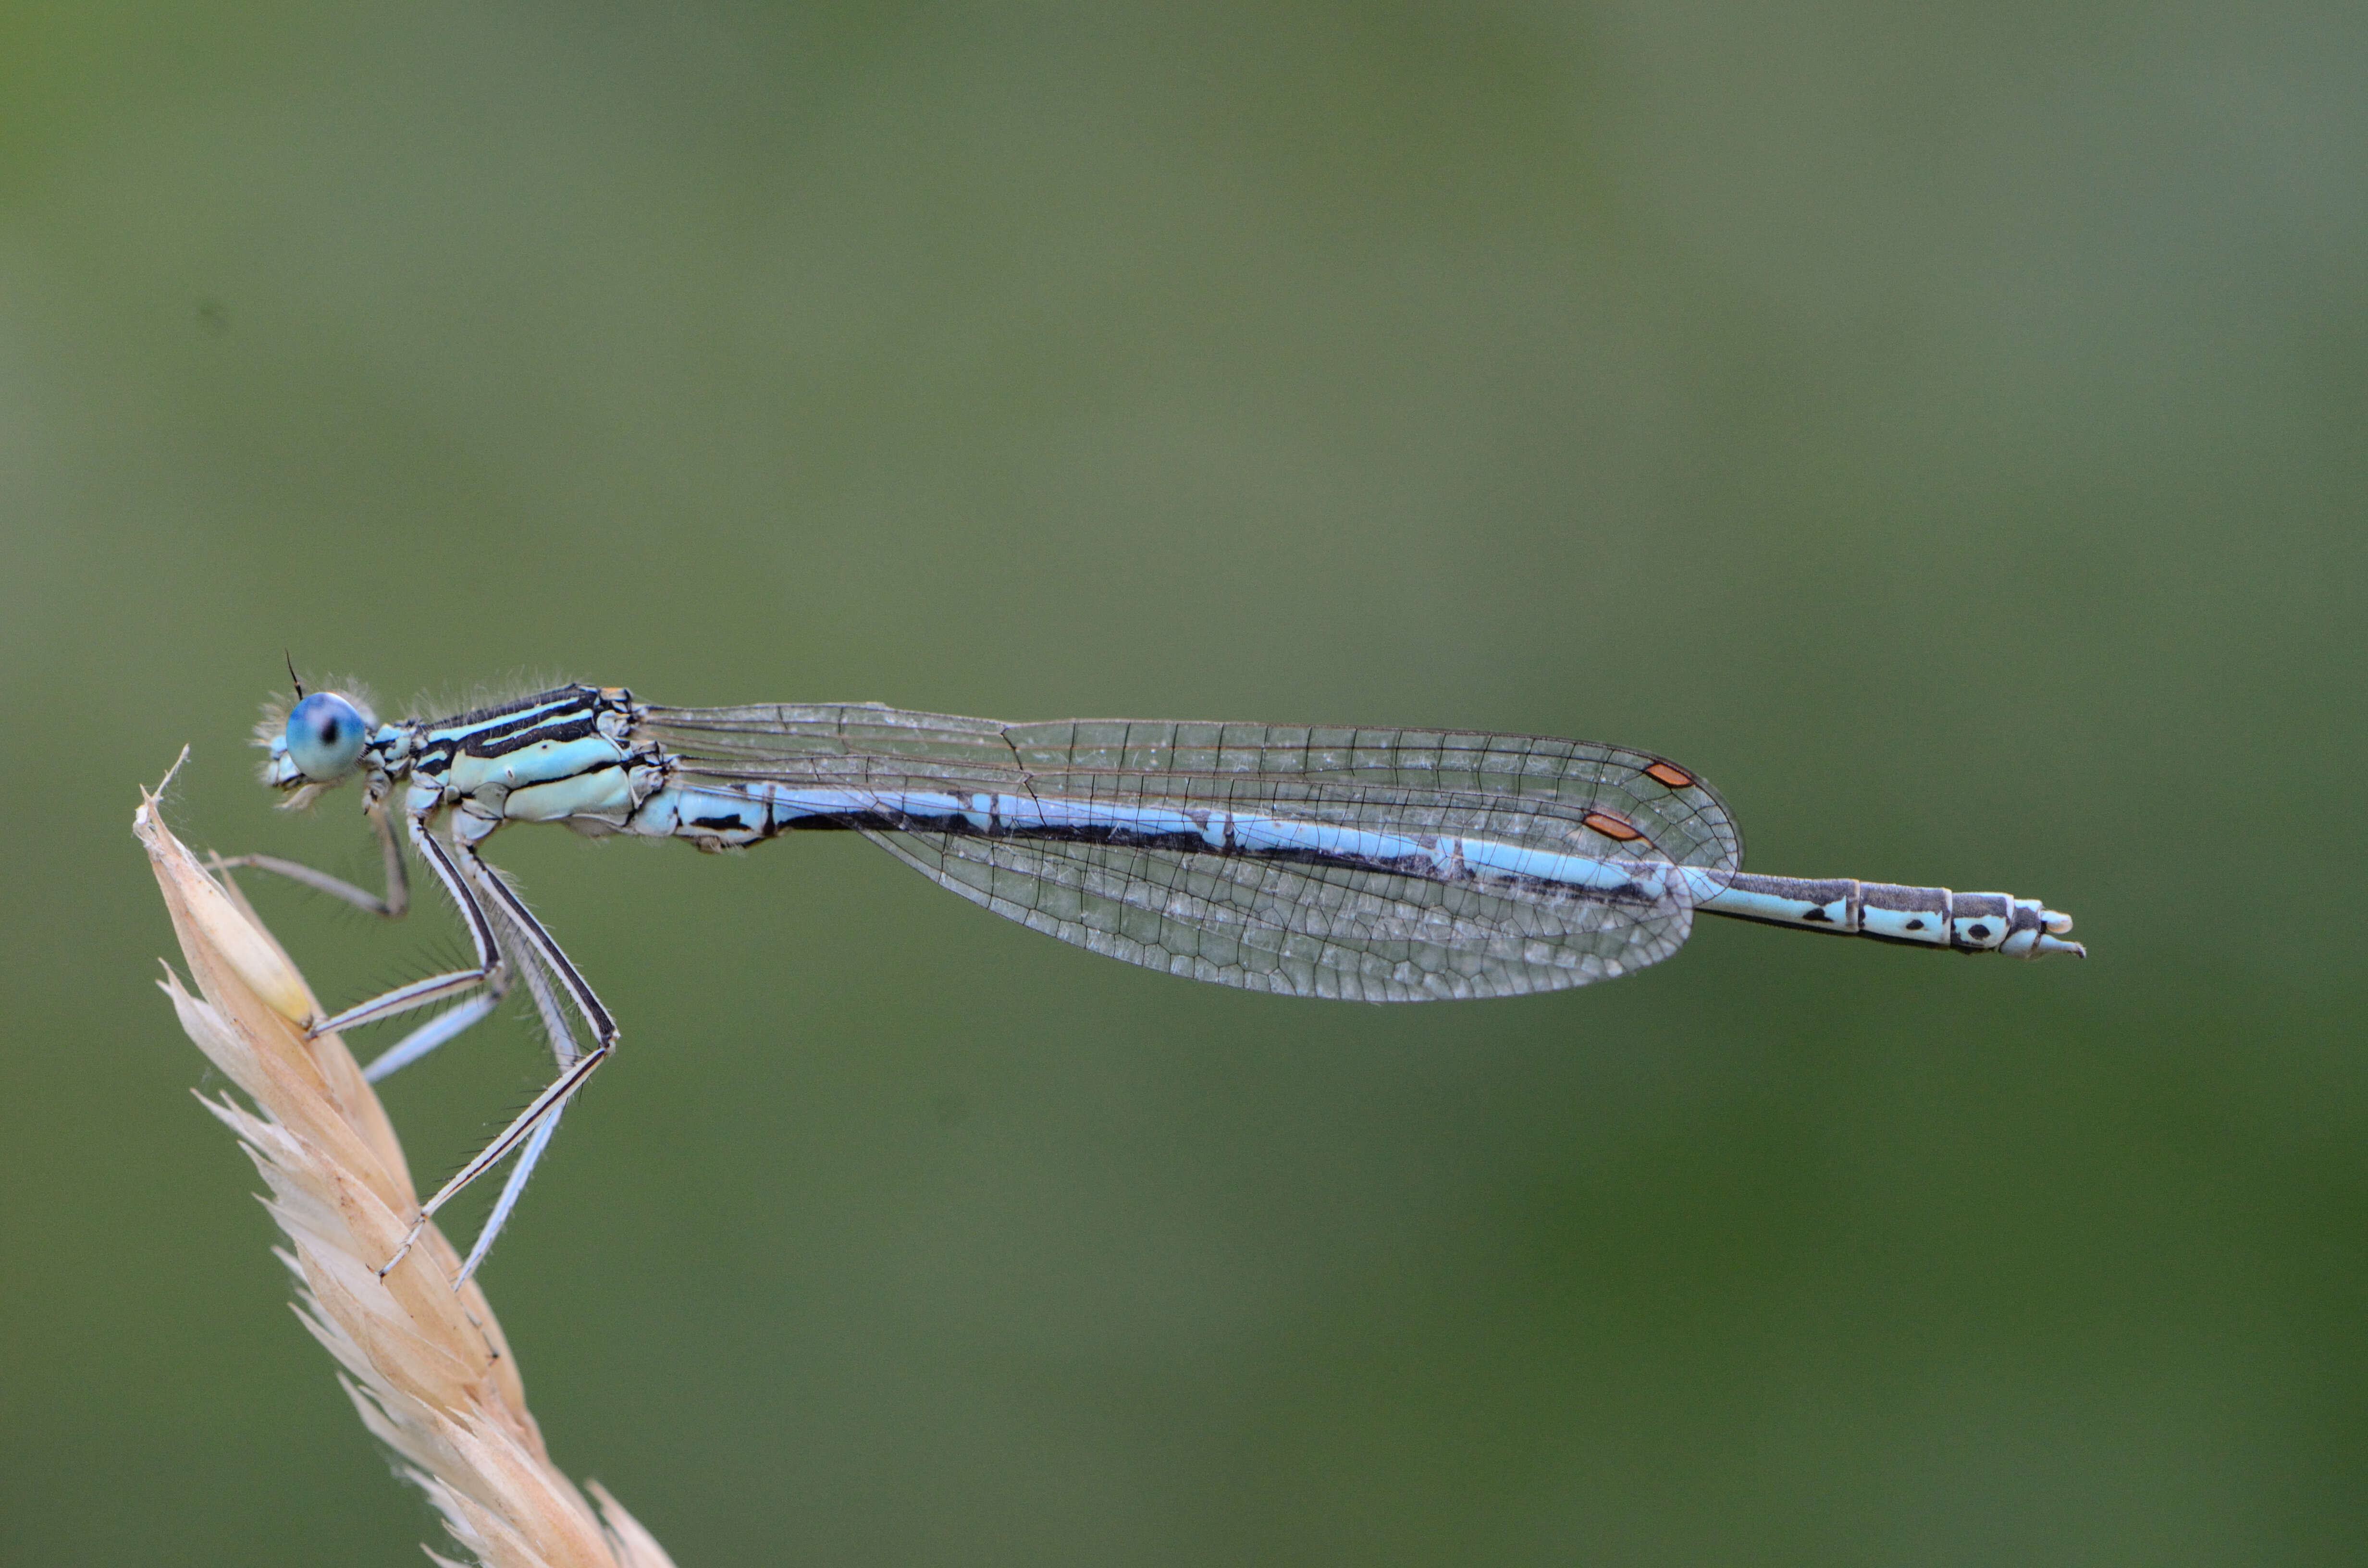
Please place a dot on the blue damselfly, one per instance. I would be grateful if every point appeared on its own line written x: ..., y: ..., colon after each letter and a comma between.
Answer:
x: 1366, y: 864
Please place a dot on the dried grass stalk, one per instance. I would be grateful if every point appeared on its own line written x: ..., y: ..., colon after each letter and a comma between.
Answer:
x: 426, y: 1365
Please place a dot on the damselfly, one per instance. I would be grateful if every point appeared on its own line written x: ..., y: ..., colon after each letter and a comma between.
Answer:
x: 1370, y: 865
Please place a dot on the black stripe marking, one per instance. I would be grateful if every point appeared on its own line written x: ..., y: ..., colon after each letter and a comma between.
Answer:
x: 1420, y: 867
x: 503, y: 742
x: 557, y: 696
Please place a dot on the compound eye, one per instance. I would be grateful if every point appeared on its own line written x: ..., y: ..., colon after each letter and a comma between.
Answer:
x: 324, y: 736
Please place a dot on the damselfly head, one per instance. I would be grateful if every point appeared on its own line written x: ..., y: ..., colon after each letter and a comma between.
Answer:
x: 321, y: 743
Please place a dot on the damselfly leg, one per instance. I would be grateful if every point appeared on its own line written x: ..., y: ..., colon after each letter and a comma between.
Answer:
x: 486, y: 903
x: 508, y: 942
x: 391, y: 905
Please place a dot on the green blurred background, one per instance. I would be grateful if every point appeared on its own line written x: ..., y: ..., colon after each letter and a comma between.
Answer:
x: 1946, y: 429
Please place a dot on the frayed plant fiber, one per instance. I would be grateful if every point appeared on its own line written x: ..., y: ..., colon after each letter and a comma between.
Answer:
x: 426, y: 1365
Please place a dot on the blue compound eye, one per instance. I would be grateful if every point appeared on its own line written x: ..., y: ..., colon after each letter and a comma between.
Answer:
x: 324, y: 736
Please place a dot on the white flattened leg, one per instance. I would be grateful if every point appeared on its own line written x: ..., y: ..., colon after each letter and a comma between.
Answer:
x: 435, y: 987
x: 527, y: 1159
x: 393, y: 905
x: 521, y: 1131
x: 563, y: 1046
x: 530, y: 1132
x: 435, y: 1032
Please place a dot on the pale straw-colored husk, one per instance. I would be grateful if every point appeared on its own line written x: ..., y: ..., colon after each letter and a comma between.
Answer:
x: 425, y: 1366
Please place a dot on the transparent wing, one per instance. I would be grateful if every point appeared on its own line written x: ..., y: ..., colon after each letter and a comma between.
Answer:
x: 1298, y: 930
x: 1297, y: 925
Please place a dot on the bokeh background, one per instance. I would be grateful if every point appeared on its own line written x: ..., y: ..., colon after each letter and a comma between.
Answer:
x: 1945, y: 427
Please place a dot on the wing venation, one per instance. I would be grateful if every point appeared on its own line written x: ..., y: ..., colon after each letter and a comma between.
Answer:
x: 1263, y: 921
